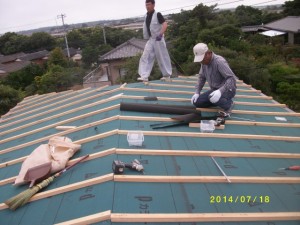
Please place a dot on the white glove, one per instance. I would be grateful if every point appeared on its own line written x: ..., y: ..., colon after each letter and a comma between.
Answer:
x: 215, y: 96
x: 194, y: 98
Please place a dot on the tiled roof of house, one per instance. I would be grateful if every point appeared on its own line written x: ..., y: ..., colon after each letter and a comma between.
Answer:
x: 11, y: 58
x: 35, y: 55
x: 287, y: 24
x: 230, y: 176
x: 128, y: 49
x: 14, y: 66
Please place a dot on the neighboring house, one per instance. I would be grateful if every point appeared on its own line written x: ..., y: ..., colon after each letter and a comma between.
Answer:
x: 36, y: 57
x: 8, y: 63
x: 14, y: 62
x: 75, y: 54
x: 253, y: 29
x: 7, y: 68
x: 290, y: 25
x: 111, y: 63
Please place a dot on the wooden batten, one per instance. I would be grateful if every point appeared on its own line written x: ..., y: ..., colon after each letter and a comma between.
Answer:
x: 207, y: 179
x: 250, y: 123
x: 252, y: 112
x: 91, y: 219
x: 183, y: 217
x: 203, y: 217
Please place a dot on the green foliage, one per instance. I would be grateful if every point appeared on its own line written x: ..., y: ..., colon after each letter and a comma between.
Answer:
x: 90, y: 55
x: 19, y: 80
x: 280, y: 73
x: 292, y: 8
x: 12, y: 42
x: 220, y: 36
x: 9, y: 98
x: 131, y: 66
x: 290, y: 94
x: 247, y: 15
x: 40, y: 41
x: 55, y: 80
x: 57, y: 57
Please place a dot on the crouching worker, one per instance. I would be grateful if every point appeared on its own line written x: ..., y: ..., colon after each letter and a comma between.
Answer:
x: 220, y: 78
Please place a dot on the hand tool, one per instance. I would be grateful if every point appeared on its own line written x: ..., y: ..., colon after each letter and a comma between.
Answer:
x: 224, y: 174
x: 290, y: 168
x: 119, y: 166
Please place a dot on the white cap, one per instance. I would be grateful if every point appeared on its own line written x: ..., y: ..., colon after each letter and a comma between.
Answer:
x: 199, y: 51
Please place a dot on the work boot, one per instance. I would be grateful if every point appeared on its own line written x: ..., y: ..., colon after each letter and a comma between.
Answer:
x: 227, y: 112
x: 166, y: 78
x: 143, y: 79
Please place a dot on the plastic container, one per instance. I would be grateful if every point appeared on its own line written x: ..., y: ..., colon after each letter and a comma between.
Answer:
x: 135, y: 138
x: 207, y: 126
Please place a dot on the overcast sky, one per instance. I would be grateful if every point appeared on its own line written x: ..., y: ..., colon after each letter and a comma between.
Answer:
x: 17, y: 15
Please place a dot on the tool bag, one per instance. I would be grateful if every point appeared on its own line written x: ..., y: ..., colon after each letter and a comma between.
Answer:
x: 58, y: 151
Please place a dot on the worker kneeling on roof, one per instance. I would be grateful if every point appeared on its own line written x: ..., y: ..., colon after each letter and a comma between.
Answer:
x: 221, y: 80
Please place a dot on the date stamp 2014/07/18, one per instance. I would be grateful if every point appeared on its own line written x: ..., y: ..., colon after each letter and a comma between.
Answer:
x: 239, y: 199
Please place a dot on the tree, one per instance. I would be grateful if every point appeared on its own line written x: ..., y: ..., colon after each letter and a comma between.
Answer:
x: 24, y: 77
x: 291, y: 8
x: 76, y: 39
x: 290, y: 94
x: 57, y: 57
x: 12, y: 43
x: 90, y: 55
x: 9, y: 97
x: 248, y: 15
x: 55, y: 80
x: 40, y: 41
x: 131, y: 66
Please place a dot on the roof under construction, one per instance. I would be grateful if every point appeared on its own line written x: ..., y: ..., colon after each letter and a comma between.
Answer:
x: 230, y: 176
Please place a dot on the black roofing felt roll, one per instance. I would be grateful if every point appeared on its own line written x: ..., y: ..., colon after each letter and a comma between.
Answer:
x: 156, y: 108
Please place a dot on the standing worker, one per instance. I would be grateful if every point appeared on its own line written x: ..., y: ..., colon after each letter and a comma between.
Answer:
x: 221, y: 80
x: 153, y: 29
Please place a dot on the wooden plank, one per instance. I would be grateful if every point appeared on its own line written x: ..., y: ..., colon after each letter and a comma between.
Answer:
x: 203, y: 217
x: 51, y: 125
x: 4, y: 151
x: 65, y: 127
x: 91, y: 219
x: 68, y: 188
x: 195, y: 153
x: 183, y: 217
x: 121, y: 151
x: 191, y: 93
x: 207, y: 179
x: 193, y: 87
x: 215, y: 135
x: 250, y: 123
x: 193, y: 82
x: 66, y: 112
x: 252, y: 112
x: 189, y: 100
x: 45, y: 104
x: 69, y: 101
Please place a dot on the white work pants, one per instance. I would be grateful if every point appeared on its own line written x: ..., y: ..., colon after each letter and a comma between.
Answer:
x: 159, y: 50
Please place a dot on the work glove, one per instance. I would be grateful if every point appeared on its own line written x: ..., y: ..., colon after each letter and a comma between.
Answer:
x: 194, y: 98
x: 215, y: 96
x: 159, y: 37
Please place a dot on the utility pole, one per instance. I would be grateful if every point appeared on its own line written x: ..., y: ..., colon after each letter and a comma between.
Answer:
x: 104, y: 35
x: 62, y: 16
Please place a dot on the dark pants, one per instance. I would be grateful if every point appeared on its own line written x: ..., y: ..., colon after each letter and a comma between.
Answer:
x: 224, y: 102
